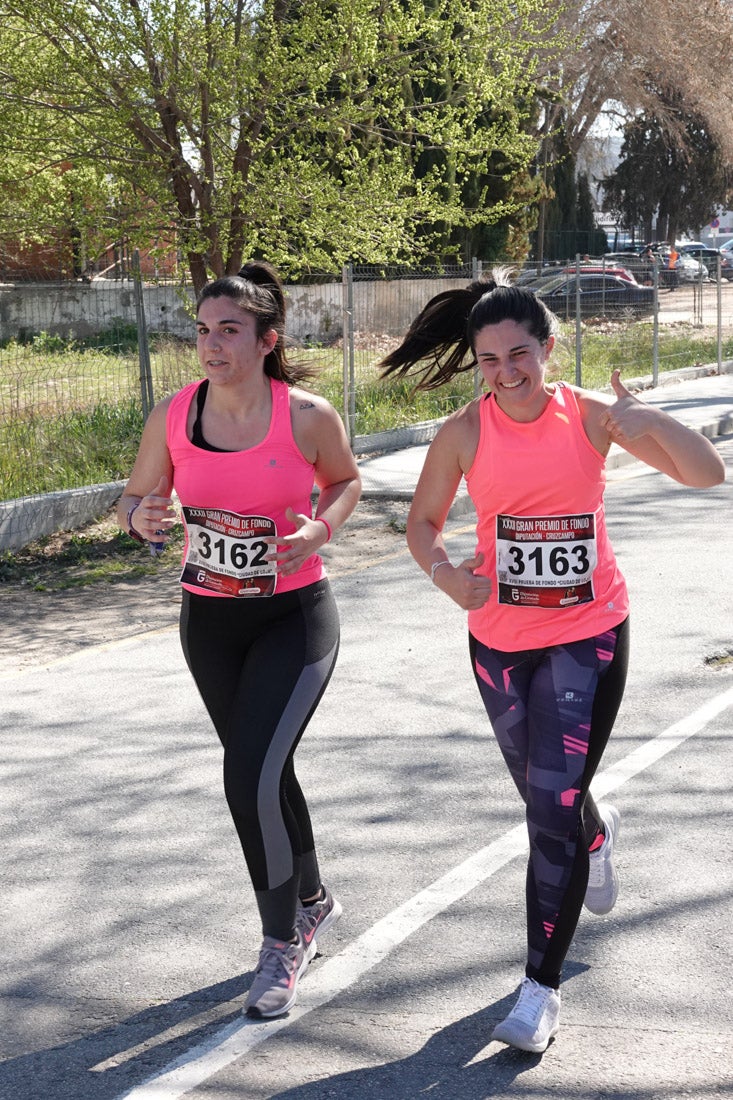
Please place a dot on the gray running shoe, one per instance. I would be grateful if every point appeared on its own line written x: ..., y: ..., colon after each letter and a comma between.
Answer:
x: 602, y: 891
x: 275, y: 985
x: 534, y: 1020
x: 317, y: 918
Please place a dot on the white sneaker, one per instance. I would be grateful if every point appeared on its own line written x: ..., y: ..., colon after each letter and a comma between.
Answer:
x: 534, y: 1020
x: 602, y: 890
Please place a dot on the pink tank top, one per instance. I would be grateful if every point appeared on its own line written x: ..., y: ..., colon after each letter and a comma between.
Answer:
x: 538, y: 492
x: 230, y: 500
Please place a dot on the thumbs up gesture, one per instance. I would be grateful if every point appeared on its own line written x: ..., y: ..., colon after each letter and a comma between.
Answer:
x: 619, y: 388
x: 627, y: 418
x: 468, y: 588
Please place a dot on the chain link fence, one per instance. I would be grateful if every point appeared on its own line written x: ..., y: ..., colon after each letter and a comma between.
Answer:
x: 82, y: 363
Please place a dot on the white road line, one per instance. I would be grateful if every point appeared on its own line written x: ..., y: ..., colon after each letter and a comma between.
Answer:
x: 231, y: 1042
x: 651, y: 751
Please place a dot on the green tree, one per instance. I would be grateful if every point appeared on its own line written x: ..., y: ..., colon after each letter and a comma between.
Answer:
x: 679, y: 180
x: 569, y: 224
x: 45, y: 198
x: 290, y: 128
x: 561, y: 214
x: 489, y: 189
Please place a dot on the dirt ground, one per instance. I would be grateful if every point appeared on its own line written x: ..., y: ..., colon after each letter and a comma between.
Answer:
x: 51, y: 609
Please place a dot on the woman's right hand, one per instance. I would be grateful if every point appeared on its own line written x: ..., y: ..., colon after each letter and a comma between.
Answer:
x: 154, y: 515
x: 469, y: 589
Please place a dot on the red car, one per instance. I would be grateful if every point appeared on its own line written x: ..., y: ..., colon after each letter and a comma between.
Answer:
x: 598, y: 269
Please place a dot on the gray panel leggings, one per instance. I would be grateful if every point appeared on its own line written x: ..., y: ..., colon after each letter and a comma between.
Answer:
x: 261, y: 667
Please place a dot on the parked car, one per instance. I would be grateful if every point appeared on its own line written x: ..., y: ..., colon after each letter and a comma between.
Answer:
x: 709, y: 257
x: 688, y: 269
x: 631, y: 261
x: 600, y: 295
x: 602, y: 269
x: 533, y: 278
x: 530, y: 275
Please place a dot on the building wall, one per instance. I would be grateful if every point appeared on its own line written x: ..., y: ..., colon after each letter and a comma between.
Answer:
x: 315, y: 313
x: 56, y: 259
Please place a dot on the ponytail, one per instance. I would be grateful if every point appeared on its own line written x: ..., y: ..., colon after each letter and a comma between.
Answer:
x: 438, y: 338
x: 439, y: 343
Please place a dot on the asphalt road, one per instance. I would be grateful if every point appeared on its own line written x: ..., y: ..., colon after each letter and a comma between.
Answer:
x: 129, y: 932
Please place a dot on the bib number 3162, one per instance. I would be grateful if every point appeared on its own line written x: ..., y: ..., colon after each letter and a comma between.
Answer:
x: 226, y: 552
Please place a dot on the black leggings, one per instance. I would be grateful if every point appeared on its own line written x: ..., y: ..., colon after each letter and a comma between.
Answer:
x: 261, y: 667
x: 552, y: 711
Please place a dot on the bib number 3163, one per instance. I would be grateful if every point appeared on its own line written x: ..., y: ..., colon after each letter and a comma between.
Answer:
x: 545, y: 561
x: 226, y: 552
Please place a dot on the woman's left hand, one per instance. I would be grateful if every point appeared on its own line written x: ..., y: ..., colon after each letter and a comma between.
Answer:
x: 651, y: 435
x: 308, y: 537
x: 628, y: 418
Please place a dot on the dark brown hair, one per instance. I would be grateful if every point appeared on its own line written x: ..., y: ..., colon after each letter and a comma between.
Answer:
x: 440, y: 341
x: 258, y: 290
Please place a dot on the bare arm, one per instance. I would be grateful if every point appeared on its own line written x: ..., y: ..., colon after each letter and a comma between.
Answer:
x: 149, y: 486
x: 320, y: 435
x: 436, y: 489
x: 337, y: 474
x: 652, y: 436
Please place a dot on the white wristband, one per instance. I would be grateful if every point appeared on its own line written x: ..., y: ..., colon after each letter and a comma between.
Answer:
x: 437, y: 565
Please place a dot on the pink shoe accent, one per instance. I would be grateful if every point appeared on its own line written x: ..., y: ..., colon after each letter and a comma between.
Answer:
x: 597, y: 843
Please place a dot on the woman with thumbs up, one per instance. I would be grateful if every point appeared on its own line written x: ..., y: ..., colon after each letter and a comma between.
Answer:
x: 242, y: 449
x: 547, y: 604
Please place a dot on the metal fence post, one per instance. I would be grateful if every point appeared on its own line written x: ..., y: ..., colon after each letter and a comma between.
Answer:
x: 347, y: 341
x: 697, y: 297
x: 476, y: 271
x: 578, y: 327
x: 655, y: 326
x: 143, y: 347
x: 719, y: 314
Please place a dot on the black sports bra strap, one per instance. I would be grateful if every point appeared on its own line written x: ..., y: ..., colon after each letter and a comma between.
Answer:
x: 197, y: 435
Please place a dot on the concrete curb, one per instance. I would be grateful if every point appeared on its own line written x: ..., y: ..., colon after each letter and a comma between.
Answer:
x: 396, y: 439
x: 29, y: 518
x: 683, y: 374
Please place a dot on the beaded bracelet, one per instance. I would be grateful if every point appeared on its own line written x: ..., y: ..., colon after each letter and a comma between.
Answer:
x: 130, y: 529
x: 155, y: 548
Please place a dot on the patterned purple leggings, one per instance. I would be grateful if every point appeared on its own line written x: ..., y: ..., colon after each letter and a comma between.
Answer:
x: 552, y: 711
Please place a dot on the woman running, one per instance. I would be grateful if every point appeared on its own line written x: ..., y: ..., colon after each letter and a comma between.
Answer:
x: 547, y: 604
x: 259, y: 627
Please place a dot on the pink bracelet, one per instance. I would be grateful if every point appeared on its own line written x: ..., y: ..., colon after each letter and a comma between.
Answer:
x: 327, y: 525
